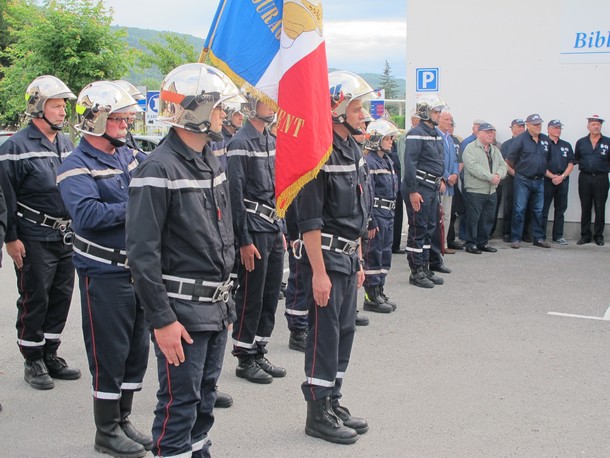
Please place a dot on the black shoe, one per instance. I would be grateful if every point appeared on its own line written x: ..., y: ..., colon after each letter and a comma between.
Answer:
x: 58, y: 368
x: 542, y: 243
x: 526, y: 239
x: 433, y: 278
x: 399, y: 251
x: 442, y: 268
x: 455, y: 245
x: 109, y: 437
x: 361, y: 320
x: 472, y: 249
x: 265, y: 364
x: 283, y: 291
x: 357, y: 424
x: 419, y: 278
x: 507, y: 238
x: 223, y: 400
x: 323, y: 423
x: 374, y: 302
x: 297, y: 340
x: 37, y: 375
x: 583, y: 241
x: 387, y: 300
x: 487, y: 248
x: 252, y: 372
x: 599, y: 241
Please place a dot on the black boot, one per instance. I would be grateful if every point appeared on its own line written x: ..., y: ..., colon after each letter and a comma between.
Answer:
x: 432, y: 277
x: 265, y: 364
x: 323, y: 423
x: 223, y: 400
x: 419, y: 278
x: 126, y: 425
x: 58, y: 368
x: 387, y: 299
x: 248, y: 369
x: 298, y: 339
x: 357, y: 424
x: 361, y: 320
x: 109, y: 437
x: 373, y: 302
x: 37, y: 375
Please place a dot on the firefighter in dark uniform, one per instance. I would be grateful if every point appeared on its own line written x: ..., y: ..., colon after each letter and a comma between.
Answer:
x: 384, y: 182
x: 2, y: 230
x: 137, y: 95
x: 180, y: 250
x: 592, y: 154
x: 94, y: 184
x: 296, y: 306
x: 332, y: 218
x: 37, y: 220
x: 424, y: 166
x: 259, y: 237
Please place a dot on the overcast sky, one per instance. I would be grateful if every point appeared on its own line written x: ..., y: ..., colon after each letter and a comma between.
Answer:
x: 360, y: 35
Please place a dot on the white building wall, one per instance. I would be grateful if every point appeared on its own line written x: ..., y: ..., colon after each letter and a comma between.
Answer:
x: 507, y: 59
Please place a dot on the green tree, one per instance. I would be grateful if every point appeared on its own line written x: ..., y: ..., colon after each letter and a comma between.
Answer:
x: 388, y: 83
x: 70, y: 39
x: 176, y: 50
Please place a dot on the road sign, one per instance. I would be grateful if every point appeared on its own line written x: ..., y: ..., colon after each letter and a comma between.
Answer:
x: 152, y: 108
x: 377, y: 108
x: 427, y: 79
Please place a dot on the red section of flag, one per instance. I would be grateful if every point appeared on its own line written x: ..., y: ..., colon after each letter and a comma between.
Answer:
x: 304, y: 138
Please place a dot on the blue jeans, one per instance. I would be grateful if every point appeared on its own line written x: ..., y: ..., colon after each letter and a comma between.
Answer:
x: 528, y: 190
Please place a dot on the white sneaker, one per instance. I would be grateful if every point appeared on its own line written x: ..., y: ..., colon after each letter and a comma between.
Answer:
x: 561, y: 241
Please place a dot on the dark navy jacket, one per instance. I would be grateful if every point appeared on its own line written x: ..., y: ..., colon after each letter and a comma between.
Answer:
x: 251, y: 173
x: 593, y: 160
x: 424, y: 151
x: 334, y: 202
x: 528, y: 157
x: 179, y: 223
x: 384, y: 183
x: 29, y: 163
x: 560, y: 155
x: 95, y: 186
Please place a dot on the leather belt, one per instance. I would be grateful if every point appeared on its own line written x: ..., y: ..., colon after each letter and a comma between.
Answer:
x: 105, y: 255
x: 339, y: 244
x: 428, y: 177
x: 197, y: 290
x: 384, y: 203
x: 265, y: 211
x: 42, y: 219
x: 535, y: 177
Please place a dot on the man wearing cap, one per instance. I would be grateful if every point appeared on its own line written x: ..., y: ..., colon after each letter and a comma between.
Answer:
x: 592, y: 156
x: 484, y: 167
x: 517, y: 127
x: 556, y: 183
x: 528, y: 156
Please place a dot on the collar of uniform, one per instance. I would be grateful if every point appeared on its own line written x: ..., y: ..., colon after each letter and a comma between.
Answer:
x: 179, y: 147
x: 89, y: 150
x: 345, y: 147
x: 35, y: 133
x: 250, y: 132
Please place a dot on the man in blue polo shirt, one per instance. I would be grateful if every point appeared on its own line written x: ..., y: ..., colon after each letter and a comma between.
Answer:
x: 556, y: 184
x: 528, y: 156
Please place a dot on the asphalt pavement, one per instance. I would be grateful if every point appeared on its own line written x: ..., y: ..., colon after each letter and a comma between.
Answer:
x: 508, y: 358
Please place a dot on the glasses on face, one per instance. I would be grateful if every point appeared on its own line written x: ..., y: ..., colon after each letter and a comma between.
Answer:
x: 118, y: 121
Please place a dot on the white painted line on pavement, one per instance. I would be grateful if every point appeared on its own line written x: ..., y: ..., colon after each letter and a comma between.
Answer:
x: 606, y: 316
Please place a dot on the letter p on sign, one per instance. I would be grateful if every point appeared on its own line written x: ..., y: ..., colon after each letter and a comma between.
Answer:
x: 427, y: 79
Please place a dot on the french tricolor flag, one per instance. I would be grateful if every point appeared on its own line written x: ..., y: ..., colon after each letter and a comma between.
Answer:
x: 277, y: 48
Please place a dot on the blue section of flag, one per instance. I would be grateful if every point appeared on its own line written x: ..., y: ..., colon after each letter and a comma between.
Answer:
x: 245, y: 36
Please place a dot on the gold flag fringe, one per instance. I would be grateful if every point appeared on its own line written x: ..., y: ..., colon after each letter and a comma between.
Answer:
x: 284, y: 200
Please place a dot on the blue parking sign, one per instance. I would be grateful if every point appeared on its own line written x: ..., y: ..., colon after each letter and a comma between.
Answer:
x: 427, y: 79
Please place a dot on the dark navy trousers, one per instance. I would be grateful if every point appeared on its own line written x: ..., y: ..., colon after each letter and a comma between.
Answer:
x: 421, y: 227
x: 296, y: 305
x: 378, y: 253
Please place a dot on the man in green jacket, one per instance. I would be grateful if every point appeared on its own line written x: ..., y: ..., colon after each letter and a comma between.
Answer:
x: 484, y: 167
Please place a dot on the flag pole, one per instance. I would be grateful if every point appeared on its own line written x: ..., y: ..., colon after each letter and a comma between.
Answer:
x: 205, y: 50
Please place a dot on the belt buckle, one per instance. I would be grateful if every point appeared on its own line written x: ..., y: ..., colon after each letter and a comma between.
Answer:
x: 350, y: 248
x: 222, y: 292
x: 392, y: 205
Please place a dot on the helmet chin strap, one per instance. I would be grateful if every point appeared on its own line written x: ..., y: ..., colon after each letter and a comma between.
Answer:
x: 352, y: 130
x: 116, y: 142
x: 266, y: 119
x: 215, y: 136
x: 56, y: 127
